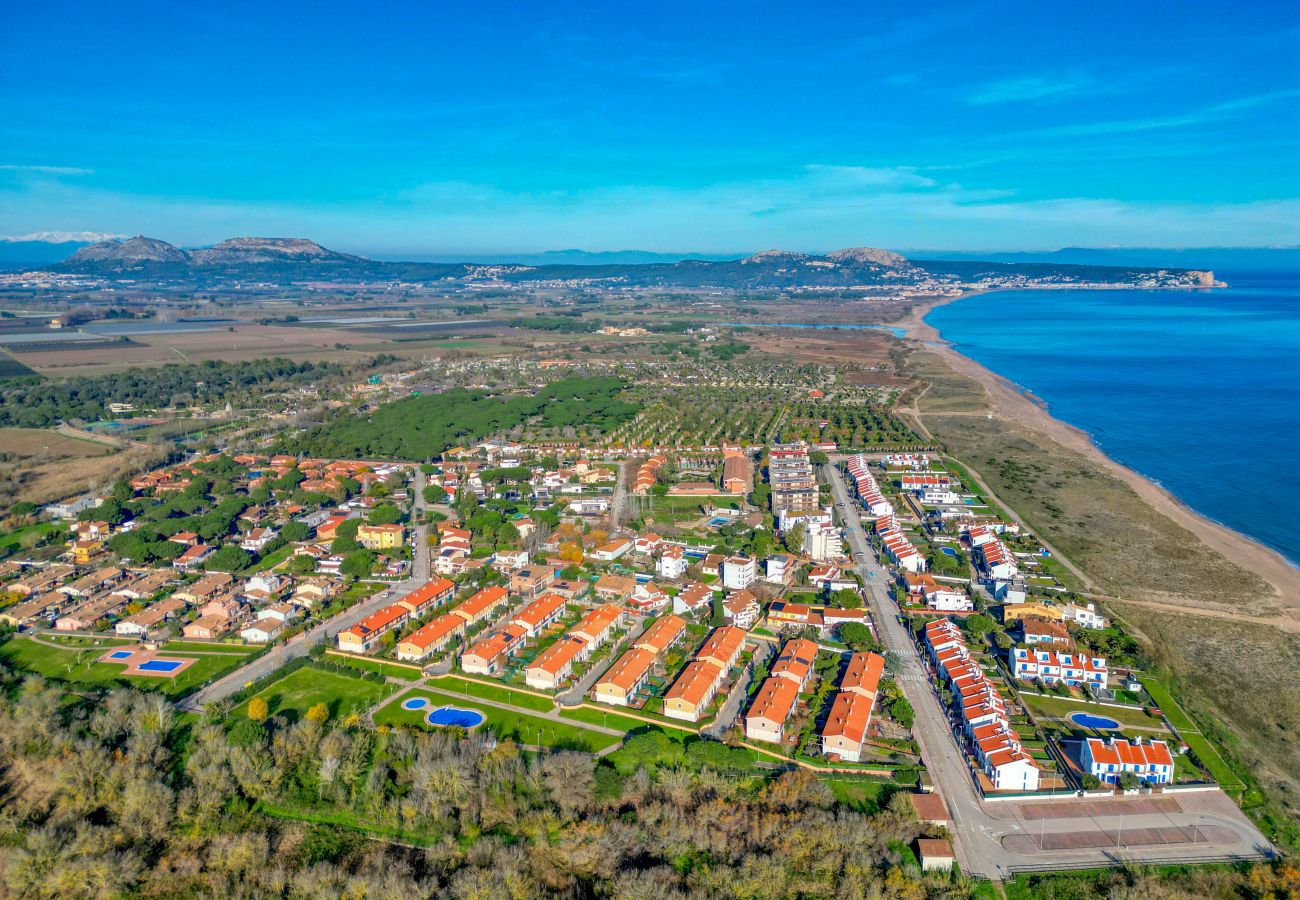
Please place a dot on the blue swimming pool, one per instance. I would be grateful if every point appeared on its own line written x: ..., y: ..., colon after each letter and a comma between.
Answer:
x: 1088, y: 720
x: 120, y: 654
x: 718, y: 521
x: 415, y: 703
x: 948, y: 551
x: 454, y: 715
x: 160, y: 665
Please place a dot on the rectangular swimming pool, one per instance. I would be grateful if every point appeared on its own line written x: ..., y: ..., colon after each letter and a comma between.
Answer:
x: 120, y: 654
x: 159, y: 665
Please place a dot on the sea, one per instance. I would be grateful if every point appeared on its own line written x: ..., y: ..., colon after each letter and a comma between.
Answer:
x: 1197, y: 390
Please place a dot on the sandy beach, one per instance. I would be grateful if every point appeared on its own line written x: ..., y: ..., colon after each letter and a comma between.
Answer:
x: 1015, y: 405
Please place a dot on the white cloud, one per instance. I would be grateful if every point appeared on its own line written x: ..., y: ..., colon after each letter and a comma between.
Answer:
x: 45, y: 170
x: 1031, y: 89
x: 60, y: 237
x: 815, y: 207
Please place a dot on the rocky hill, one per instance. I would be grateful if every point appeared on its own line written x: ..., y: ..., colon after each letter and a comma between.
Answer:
x: 136, y: 252
x: 289, y: 260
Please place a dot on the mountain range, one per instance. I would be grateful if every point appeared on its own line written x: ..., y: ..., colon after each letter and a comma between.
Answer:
x: 295, y: 259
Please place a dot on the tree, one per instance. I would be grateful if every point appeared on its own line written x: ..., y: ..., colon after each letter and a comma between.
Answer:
x: 358, y: 564
x: 793, y: 539
x: 979, y: 624
x: 319, y: 714
x: 902, y: 712
x: 229, y: 558
x: 303, y: 564
x: 384, y: 514
x: 858, y: 636
x: 258, y: 709
x: 295, y: 531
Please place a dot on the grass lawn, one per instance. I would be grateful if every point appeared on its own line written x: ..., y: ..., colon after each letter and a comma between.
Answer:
x: 204, y: 647
x: 41, y: 531
x: 271, y: 560
x: 1200, y: 744
x: 469, y: 687
x: 609, y: 719
x: 521, y: 727
x: 366, y: 664
x: 78, y: 666
x: 1058, y: 708
x: 303, y: 688
x: 861, y: 794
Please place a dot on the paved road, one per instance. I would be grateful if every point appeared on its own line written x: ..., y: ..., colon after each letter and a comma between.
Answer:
x: 301, y: 644
x: 731, y: 706
x: 980, y: 827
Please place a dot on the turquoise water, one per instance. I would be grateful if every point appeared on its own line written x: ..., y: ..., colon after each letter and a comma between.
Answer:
x: 1197, y: 390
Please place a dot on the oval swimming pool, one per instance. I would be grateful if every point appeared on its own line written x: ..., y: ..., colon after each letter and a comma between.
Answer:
x: 415, y: 703
x: 454, y: 715
x: 1088, y: 720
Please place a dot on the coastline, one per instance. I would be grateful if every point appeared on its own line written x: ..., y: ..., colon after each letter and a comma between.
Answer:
x: 1015, y: 404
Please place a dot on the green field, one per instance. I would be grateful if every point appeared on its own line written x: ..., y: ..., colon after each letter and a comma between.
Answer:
x: 302, y: 689
x: 518, y: 726
x: 366, y: 664
x: 1058, y: 708
x: 862, y: 794
x: 77, y: 666
x: 609, y: 719
x: 1199, y: 743
x: 469, y: 687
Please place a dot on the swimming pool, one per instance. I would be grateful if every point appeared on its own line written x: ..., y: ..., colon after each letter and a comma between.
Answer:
x: 1088, y: 720
x: 121, y: 654
x: 415, y: 703
x: 454, y: 715
x: 160, y: 665
x: 717, y: 521
x: 948, y: 551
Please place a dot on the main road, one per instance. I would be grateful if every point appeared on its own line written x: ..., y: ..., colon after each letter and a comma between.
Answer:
x: 980, y: 827
x: 301, y: 644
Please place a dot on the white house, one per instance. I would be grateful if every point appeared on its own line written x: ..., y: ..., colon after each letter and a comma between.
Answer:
x: 775, y: 567
x: 738, y: 572
x: 1087, y: 616
x: 1150, y: 762
x: 263, y: 631
x: 672, y: 564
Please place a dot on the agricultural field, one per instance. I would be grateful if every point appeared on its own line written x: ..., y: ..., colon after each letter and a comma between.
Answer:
x: 12, y: 368
x: 857, y: 418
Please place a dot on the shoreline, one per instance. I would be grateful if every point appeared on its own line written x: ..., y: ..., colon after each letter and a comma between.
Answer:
x: 1017, y: 404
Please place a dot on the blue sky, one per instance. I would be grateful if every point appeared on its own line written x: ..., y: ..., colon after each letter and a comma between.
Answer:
x: 447, y: 128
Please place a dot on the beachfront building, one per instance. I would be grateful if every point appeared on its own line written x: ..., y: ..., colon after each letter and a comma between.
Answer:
x: 1148, y: 761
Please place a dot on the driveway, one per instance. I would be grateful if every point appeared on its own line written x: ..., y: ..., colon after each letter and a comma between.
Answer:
x: 736, y: 696
x: 573, y: 696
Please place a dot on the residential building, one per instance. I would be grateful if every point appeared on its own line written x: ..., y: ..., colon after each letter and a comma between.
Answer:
x: 775, y: 701
x: 530, y: 582
x: 741, y: 609
x: 794, y: 662
x: 622, y: 680
x: 738, y: 572
x: 482, y: 604
x: 363, y: 636
x: 1148, y: 761
x: 554, y: 665
x: 487, y: 656
x: 430, y: 638
x: 672, y: 563
x: 264, y: 630
x: 381, y: 537
x: 1058, y: 666
x: 539, y: 615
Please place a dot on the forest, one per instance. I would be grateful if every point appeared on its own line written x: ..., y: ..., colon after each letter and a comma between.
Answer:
x: 424, y: 427
x: 115, y: 794
x: 44, y: 404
